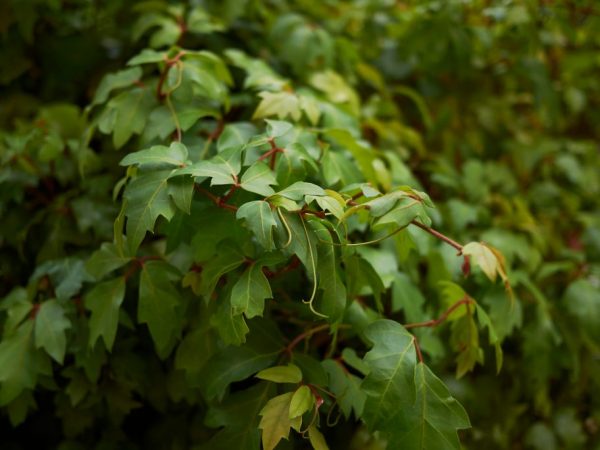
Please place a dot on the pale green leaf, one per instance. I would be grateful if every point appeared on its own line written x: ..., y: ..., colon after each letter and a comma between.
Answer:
x: 298, y: 190
x: 277, y: 128
x: 281, y: 374
x: 279, y: 104
x: 484, y: 257
x: 275, y: 422
x: 302, y: 401
x: 159, y: 155
x: 316, y: 438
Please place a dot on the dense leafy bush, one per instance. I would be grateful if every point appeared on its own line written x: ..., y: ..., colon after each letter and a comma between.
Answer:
x: 218, y: 224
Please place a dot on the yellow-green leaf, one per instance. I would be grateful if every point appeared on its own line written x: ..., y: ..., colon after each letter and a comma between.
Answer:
x: 281, y: 374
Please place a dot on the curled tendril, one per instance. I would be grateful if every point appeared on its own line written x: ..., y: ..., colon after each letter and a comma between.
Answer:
x: 314, y: 273
x: 286, y: 226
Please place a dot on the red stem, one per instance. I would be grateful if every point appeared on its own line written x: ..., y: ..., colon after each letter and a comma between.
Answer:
x: 218, y: 201
x: 418, y: 349
x: 438, y: 235
x: 294, y: 263
x: 435, y: 322
x: 304, y: 335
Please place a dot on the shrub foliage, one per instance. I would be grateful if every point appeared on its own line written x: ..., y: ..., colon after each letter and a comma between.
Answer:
x: 295, y: 224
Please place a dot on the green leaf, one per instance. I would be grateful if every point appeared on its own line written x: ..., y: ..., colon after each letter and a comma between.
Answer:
x: 50, y: 326
x: 485, y: 321
x: 158, y: 302
x: 222, y: 169
x: 117, y: 80
x: 104, y: 260
x: 346, y: 387
x: 279, y: 104
x: 330, y: 204
x: 194, y: 351
x: 582, y: 301
x: 333, y: 300
x: 232, y: 328
x: 20, y: 363
x: 260, y: 218
x: 228, y: 258
x: 363, y: 155
x: 147, y: 56
x: 303, y: 247
x: 67, y: 275
x: 432, y: 421
x: 235, y: 135
x: 232, y: 364
x: 389, y: 385
x: 250, y: 292
x: 281, y: 202
x: 181, y: 191
x: 126, y: 114
x: 275, y: 423
x: 258, y: 179
x: 465, y: 340
x: 316, y: 438
x: 238, y: 415
x: 258, y: 73
x: 159, y: 155
x: 276, y: 128
x: 405, y: 210
x: 17, y: 305
x: 302, y: 401
x: 338, y: 168
x: 281, y: 374
x: 147, y: 198
x: 408, y: 298
x: 483, y: 257
x: 298, y: 190
x: 104, y: 302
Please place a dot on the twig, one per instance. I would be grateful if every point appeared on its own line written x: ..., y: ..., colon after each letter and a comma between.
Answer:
x: 438, y: 235
x: 435, y: 322
x: 418, y: 349
x: 304, y: 335
x: 218, y: 201
x: 288, y: 349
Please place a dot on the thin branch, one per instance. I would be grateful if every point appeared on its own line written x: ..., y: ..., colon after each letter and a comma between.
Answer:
x: 438, y: 235
x: 418, y: 349
x: 218, y: 201
x: 293, y: 264
x: 435, y: 322
x: 288, y: 349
